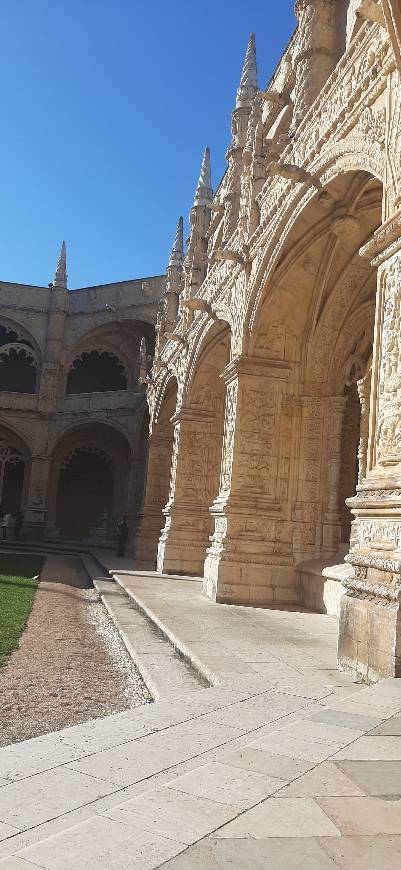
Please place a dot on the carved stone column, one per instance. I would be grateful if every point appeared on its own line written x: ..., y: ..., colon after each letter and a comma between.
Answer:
x: 333, y: 515
x: 370, y: 624
x: 316, y: 52
x: 156, y: 495
x: 364, y: 387
x: 193, y: 484
x: 250, y: 557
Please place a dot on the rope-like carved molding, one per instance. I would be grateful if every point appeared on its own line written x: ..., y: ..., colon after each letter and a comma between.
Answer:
x: 379, y: 592
x: 367, y: 560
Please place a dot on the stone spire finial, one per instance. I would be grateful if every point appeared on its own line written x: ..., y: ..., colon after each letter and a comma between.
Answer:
x: 204, y: 192
x: 177, y: 253
x: 248, y: 85
x: 60, y: 277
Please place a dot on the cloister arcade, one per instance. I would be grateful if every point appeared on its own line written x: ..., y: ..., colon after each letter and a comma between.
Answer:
x: 299, y: 400
x: 294, y: 262
x: 69, y: 386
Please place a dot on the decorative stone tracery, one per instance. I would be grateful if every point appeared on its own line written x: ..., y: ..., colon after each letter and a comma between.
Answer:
x: 96, y: 371
x: 19, y: 361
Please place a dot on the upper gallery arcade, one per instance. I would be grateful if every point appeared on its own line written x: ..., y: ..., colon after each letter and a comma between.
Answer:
x: 276, y: 387
x: 73, y: 413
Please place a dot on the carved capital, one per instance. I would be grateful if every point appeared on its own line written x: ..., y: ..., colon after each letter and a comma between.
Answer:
x: 253, y: 366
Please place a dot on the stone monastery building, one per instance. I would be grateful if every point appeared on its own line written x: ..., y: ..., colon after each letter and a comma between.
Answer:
x: 73, y: 415
x: 274, y: 466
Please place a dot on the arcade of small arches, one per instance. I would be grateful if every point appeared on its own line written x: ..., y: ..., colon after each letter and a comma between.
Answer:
x: 96, y: 371
x: 103, y: 363
x: 258, y: 457
x: 106, y: 359
x: 93, y: 476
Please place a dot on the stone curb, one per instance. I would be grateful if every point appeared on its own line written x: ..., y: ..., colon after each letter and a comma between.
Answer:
x: 152, y: 687
x: 178, y: 645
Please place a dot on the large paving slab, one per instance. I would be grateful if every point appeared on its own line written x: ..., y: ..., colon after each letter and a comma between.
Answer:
x: 282, y: 763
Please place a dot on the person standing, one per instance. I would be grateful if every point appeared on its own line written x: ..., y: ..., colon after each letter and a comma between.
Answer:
x: 122, y: 535
x: 18, y: 525
x: 6, y: 522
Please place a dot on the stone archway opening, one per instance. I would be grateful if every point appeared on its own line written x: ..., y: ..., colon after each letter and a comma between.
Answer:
x: 85, y: 491
x: 298, y: 420
x: 12, y: 476
x: 89, y: 482
x: 15, y: 462
x: 96, y: 372
x: 350, y: 458
x: 18, y: 362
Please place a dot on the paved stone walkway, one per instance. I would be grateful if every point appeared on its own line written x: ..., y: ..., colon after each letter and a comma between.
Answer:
x: 166, y: 673
x: 285, y: 764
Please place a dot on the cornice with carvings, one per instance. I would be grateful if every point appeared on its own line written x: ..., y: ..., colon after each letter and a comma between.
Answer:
x: 373, y: 67
x: 362, y: 74
x: 333, y: 115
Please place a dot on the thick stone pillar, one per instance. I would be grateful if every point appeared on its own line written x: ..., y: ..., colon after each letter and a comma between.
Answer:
x: 36, y: 507
x: 370, y: 623
x: 156, y: 495
x: 193, y: 484
x: 250, y: 557
x: 307, y: 535
x: 316, y: 51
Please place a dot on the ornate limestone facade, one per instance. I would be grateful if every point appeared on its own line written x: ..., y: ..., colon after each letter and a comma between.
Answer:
x: 275, y: 395
x: 73, y: 412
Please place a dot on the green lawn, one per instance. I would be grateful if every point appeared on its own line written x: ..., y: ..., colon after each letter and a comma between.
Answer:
x: 17, y: 591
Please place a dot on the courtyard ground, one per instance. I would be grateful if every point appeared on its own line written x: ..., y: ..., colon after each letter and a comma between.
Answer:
x: 18, y: 584
x: 284, y: 763
x: 70, y: 665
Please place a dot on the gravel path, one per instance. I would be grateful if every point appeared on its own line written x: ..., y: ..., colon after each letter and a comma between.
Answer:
x: 71, y: 665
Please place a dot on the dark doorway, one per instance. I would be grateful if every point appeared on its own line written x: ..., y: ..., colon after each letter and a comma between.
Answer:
x: 349, y: 459
x: 85, y: 492
x: 12, y: 471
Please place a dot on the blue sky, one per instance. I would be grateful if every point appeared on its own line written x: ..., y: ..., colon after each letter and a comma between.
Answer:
x: 106, y: 107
